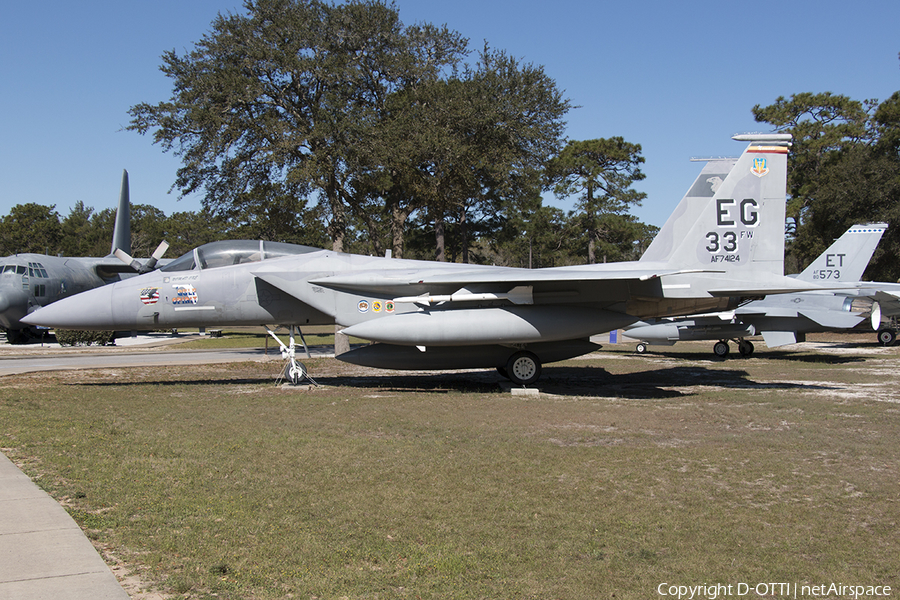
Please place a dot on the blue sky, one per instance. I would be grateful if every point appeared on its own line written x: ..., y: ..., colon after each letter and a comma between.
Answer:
x: 678, y: 78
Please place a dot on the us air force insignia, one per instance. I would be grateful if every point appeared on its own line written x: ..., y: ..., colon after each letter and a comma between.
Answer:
x: 760, y: 166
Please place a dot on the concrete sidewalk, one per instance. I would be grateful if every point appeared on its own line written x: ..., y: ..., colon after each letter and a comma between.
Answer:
x: 43, y: 552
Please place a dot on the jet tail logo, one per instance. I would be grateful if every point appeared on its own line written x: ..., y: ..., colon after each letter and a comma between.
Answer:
x: 760, y: 166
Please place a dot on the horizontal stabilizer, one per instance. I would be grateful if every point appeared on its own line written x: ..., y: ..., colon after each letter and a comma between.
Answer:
x: 498, y: 278
x: 833, y: 319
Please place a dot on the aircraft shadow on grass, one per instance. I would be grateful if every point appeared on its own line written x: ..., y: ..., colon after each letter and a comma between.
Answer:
x: 584, y: 381
x: 776, y: 355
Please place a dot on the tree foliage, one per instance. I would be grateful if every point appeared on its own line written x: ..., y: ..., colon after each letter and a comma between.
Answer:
x: 283, y: 101
x: 86, y: 233
x: 600, y: 173
x: 344, y: 103
x: 30, y: 228
x: 844, y: 168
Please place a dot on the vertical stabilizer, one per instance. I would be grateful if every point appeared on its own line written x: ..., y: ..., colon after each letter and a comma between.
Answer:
x: 740, y: 229
x: 688, y: 210
x: 847, y: 258
x: 122, y: 232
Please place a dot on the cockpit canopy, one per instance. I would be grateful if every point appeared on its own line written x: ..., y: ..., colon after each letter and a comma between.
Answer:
x: 34, y: 269
x: 233, y: 252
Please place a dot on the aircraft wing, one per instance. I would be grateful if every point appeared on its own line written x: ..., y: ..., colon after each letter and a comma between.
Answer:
x: 597, y: 284
x: 622, y: 272
x: 463, y: 287
x: 500, y: 276
x: 771, y: 285
x: 108, y: 267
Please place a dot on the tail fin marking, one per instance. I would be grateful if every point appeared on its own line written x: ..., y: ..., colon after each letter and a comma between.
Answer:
x: 847, y: 258
x: 740, y: 228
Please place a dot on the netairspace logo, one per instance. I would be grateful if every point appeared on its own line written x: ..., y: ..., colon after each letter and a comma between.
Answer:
x: 722, y: 591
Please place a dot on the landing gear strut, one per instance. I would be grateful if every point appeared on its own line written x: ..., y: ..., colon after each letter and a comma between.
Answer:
x: 294, y: 371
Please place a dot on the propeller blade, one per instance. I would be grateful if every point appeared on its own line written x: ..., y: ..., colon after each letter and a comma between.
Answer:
x: 126, y: 258
x: 154, y: 258
x: 160, y: 250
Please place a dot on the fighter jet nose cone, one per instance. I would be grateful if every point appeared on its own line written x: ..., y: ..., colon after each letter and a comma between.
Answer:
x: 49, y: 316
x: 76, y: 312
x: 52, y: 315
x: 34, y: 318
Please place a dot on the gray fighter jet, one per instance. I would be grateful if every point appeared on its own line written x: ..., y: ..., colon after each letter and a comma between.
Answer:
x: 785, y: 319
x: 29, y: 281
x: 716, y: 252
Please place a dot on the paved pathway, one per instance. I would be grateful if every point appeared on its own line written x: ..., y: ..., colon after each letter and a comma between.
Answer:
x: 43, y: 552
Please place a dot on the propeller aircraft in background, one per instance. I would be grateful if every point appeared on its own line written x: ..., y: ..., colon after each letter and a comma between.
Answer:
x: 30, y: 281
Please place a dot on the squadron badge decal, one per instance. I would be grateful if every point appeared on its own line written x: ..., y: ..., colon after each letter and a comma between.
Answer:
x: 760, y: 166
x: 150, y: 295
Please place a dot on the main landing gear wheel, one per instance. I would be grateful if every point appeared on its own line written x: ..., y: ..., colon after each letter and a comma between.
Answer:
x: 523, y: 368
x: 641, y: 348
x: 721, y: 349
x: 886, y: 336
x: 745, y: 347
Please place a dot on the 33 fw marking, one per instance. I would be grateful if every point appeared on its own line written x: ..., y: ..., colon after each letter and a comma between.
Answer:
x: 728, y: 213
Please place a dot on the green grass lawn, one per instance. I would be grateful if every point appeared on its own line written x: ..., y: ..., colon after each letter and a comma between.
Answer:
x: 630, y: 472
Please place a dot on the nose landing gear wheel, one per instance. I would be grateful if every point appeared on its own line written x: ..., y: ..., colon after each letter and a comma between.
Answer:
x: 523, y: 368
x: 295, y: 372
